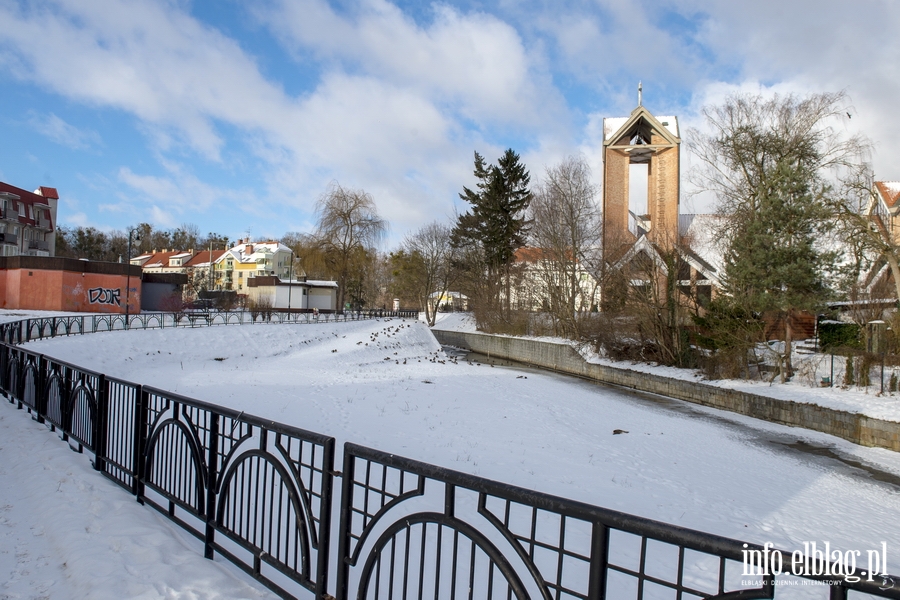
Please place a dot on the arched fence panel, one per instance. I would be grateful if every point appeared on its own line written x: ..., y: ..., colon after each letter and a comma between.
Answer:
x: 257, y: 492
x: 83, y: 409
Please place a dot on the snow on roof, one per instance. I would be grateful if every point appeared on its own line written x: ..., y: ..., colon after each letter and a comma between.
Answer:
x: 161, y: 259
x: 258, y: 250
x: 459, y: 295
x: 889, y: 191
x: 613, y: 124
x: 321, y: 283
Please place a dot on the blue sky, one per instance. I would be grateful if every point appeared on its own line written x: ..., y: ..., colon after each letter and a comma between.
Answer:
x: 236, y: 116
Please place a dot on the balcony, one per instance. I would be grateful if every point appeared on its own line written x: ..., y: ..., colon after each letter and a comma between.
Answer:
x: 9, y: 238
x: 39, y: 245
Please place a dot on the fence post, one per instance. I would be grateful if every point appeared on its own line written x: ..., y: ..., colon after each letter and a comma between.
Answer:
x: 4, y: 371
x: 141, y: 410
x: 324, y: 555
x: 343, y: 566
x: 102, y: 396
x: 212, y: 462
x: 599, y: 561
x: 40, y: 389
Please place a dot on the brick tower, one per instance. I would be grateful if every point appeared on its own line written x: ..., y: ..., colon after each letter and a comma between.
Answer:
x: 640, y: 138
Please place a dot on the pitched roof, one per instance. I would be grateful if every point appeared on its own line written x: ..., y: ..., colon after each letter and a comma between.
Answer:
x: 257, y: 250
x: 204, y: 257
x: 889, y: 191
x: 24, y: 197
x: 47, y: 192
x: 160, y: 260
x: 531, y: 255
x: 615, y: 128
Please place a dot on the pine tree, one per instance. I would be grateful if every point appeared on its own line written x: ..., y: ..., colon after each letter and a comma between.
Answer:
x: 496, y: 226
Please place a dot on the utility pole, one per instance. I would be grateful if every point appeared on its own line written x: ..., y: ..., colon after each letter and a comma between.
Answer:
x: 132, y: 233
x: 290, y: 283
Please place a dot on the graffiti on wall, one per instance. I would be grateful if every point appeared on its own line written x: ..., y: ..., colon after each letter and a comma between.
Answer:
x: 99, y: 295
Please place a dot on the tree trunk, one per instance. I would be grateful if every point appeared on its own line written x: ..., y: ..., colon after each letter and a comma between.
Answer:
x: 788, y: 343
x: 895, y: 271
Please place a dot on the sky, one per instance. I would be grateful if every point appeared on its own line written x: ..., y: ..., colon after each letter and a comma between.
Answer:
x: 236, y: 117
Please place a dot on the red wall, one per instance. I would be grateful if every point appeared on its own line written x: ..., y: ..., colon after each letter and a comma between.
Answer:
x: 41, y: 289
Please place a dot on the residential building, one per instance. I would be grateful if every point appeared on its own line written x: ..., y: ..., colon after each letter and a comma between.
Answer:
x: 27, y: 221
x: 166, y: 261
x: 303, y: 294
x: 884, y: 211
x: 197, y: 267
x: 884, y: 208
x: 537, y: 278
x: 246, y: 260
x: 200, y: 270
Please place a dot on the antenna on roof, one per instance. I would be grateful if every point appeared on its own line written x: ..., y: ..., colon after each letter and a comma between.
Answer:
x: 640, y: 94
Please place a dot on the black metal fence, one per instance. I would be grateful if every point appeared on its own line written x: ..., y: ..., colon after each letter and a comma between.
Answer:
x: 17, y: 332
x: 261, y: 494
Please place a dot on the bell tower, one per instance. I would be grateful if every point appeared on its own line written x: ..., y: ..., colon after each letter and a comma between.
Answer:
x: 640, y: 138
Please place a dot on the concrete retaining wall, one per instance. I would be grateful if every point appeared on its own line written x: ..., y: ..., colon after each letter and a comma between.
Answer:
x: 854, y: 427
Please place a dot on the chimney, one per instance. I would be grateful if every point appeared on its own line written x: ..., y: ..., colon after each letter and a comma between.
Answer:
x: 248, y: 249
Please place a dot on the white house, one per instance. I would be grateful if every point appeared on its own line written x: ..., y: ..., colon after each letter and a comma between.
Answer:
x: 292, y: 294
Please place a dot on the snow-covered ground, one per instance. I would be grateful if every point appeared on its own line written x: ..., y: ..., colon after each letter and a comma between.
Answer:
x: 387, y: 384
x: 68, y: 533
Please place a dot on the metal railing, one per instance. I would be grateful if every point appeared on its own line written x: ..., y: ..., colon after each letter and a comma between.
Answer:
x: 261, y: 493
x: 17, y: 332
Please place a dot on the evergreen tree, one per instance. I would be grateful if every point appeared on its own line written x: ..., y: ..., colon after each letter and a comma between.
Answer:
x: 497, y: 225
x: 773, y: 262
x: 767, y: 162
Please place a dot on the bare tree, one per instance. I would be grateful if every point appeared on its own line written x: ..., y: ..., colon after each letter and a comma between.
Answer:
x: 867, y: 229
x: 566, y: 230
x: 426, y: 266
x: 348, y: 231
x: 186, y: 237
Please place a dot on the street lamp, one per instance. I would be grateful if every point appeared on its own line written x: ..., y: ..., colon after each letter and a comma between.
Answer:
x: 132, y: 234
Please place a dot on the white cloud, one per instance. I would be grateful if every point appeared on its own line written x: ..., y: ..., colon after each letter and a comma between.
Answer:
x: 63, y: 133
x: 473, y: 63
x: 149, y: 59
x: 165, y: 200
